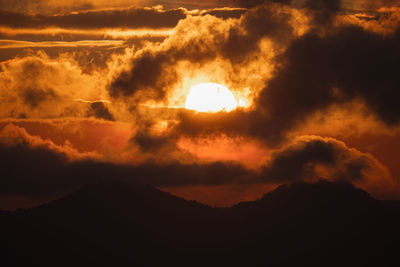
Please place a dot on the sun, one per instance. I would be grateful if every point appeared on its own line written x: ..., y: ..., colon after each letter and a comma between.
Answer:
x: 210, y: 97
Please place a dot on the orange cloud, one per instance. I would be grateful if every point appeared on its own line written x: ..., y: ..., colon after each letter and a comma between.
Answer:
x: 12, y: 135
x: 217, y: 148
x: 4, y: 44
x: 38, y: 86
x: 384, y: 20
x: 83, y: 135
x: 65, y: 6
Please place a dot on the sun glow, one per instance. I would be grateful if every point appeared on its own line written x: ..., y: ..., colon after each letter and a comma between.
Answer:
x: 210, y: 97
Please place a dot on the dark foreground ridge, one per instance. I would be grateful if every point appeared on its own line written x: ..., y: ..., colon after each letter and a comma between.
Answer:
x: 117, y: 224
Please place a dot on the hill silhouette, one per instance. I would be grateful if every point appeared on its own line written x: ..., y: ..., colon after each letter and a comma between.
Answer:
x: 121, y: 224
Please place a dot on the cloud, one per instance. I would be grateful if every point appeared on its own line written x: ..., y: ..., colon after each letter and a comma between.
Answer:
x: 384, y: 20
x: 201, y: 41
x: 90, y: 56
x: 93, y: 43
x: 144, y: 77
x: 323, y: 12
x: 128, y: 18
x: 52, y: 7
x: 317, y: 72
x: 33, y: 97
x: 37, y: 86
x: 312, y: 157
x: 14, y: 136
x: 62, y: 7
x: 250, y: 3
x: 327, y: 6
x: 155, y: 70
x: 119, y: 18
x: 148, y: 142
x: 50, y: 170
x: 99, y: 110
x: 51, y: 37
x: 367, y: 5
x: 98, y: 136
x: 225, y: 13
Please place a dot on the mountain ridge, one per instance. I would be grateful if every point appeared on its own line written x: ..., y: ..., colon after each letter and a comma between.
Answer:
x: 122, y: 224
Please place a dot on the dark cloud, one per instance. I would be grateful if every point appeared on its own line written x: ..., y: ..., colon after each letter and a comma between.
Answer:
x: 33, y: 93
x: 155, y: 133
x: 298, y: 161
x: 255, y: 124
x: 121, y: 18
x: 254, y: 3
x: 225, y: 13
x: 264, y: 21
x: 323, y: 11
x: 133, y: 18
x: 319, y: 71
x: 39, y: 169
x: 45, y: 6
x: 332, y: 5
x: 153, y: 143
x: 99, y: 110
x: 46, y: 173
x: 145, y: 76
x: 320, y: 11
x: 291, y: 163
x: 34, y: 96
x: 237, y: 122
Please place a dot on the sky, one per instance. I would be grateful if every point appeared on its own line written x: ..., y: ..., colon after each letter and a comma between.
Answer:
x: 94, y: 90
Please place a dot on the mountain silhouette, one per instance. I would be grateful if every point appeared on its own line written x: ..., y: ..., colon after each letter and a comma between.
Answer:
x: 121, y: 224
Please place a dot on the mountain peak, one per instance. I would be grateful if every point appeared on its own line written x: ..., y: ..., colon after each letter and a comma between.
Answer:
x: 321, y: 196
x: 321, y: 191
